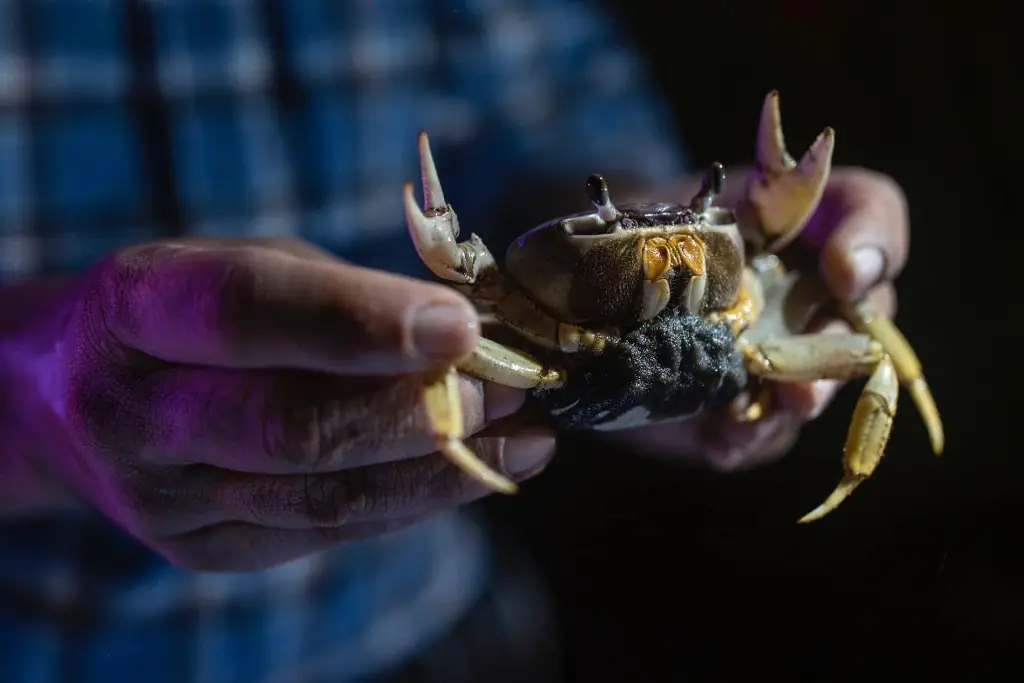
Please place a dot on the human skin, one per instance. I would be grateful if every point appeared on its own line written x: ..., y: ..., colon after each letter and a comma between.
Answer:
x: 236, y: 404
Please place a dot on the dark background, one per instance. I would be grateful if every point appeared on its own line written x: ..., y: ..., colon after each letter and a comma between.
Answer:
x: 665, y: 573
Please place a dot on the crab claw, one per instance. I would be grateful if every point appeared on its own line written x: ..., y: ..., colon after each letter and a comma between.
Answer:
x: 435, y: 227
x: 868, y: 436
x: 782, y: 194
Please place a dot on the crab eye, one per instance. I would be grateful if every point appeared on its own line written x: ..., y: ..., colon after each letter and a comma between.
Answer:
x: 714, y: 181
x: 597, y: 193
x: 597, y: 190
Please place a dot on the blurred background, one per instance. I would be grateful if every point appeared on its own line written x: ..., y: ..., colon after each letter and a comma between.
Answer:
x: 662, y: 573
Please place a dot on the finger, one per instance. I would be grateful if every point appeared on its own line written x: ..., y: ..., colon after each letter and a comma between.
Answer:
x: 290, y: 422
x: 866, y: 232
x: 715, y: 439
x: 257, y: 307
x: 807, y: 400
x: 408, y: 488
x: 287, y: 245
x: 241, y: 547
x: 730, y: 446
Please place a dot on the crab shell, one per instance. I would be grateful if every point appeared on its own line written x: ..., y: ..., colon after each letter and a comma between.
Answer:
x: 587, y: 271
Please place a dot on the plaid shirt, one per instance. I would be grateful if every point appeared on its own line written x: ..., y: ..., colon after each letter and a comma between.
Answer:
x: 123, y: 121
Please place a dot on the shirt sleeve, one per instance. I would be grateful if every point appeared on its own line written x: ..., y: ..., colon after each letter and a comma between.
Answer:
x: 565, y: 91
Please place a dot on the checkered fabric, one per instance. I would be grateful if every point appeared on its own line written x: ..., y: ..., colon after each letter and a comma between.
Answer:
x: 129, y: 120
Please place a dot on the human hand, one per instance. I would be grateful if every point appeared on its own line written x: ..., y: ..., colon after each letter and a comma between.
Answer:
x: 860, y: 235
x: 235, y: 405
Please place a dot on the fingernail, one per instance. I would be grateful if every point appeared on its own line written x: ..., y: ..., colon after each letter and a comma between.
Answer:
x: 442, y: 331
x: 526, y: 455
x: 868, y: 263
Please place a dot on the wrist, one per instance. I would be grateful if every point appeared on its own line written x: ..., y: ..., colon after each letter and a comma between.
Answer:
x: 32, y: 317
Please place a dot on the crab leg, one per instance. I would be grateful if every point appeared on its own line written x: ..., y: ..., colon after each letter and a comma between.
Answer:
x: 782, y: 194
x: 908, y: 367
x: 444, y: 411
x: 470, y: 267
x: 434, y: 229
x: 492, y: 362
x: 809, y: 357
x: 819, y: 356
x: 869, y: 433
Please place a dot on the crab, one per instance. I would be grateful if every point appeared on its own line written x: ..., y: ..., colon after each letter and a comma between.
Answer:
x: 641, y: 313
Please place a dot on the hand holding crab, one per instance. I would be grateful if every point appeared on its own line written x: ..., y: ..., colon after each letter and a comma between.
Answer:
x: 641, y: 314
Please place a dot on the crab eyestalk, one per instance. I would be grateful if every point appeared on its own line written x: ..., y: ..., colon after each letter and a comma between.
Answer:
x: 597, y: 193
x: 714, y: 182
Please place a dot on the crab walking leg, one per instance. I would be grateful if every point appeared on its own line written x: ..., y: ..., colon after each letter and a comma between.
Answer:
x: 522, y: 315
x: 812, y: 357
x: 491, y: 362
x: 908, y: 367
x: 869, y: 433
x: 444, y: 411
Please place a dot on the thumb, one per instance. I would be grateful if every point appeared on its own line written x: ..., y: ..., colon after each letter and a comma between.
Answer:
x: 253, y: 307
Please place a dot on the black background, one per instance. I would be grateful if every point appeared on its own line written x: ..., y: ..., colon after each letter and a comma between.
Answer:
x: 666, y: 573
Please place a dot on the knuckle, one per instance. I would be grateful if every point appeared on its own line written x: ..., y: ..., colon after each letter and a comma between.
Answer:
x: 293, y: 434
x: 327, y: 501
x: 385, y: 491
x: 410, y: 488
x: 321, y: 422
x: 890, y: 191
x: 886, y: 196
x: 117, y: 284
x: 212, y: 294
x: 102, y: 414
x: 310, y: 431
x: 222, y: 298
x: 880, y: 188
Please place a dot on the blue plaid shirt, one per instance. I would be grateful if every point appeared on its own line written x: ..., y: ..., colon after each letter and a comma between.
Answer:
x: 123, y: 121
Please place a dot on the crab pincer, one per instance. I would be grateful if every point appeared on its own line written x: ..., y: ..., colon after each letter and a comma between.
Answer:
x: 469, y: 267
x: 782, y: 194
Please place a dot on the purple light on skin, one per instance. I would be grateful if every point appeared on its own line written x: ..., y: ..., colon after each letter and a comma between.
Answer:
x: 823, y: 223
